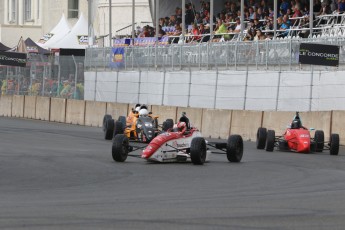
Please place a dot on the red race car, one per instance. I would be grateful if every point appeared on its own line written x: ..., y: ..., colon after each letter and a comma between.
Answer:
x: 297, y: 138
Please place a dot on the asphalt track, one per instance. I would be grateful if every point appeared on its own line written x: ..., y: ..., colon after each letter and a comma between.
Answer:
x: 60, y: 176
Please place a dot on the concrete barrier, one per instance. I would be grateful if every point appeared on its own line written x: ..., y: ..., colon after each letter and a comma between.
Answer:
x: 318, y: 121
x: 94, y: 112
x: 194, y: 115
x: 277, y: 121
x: 18, y: 106
x: 246, y: 123
x: 164, y: 112
x: 42, y: 108
x: 116, y: 110
x: 216, y: 123
x: 58, y: 109
x: 30, y: 107
x: 338, y: 124
x: 75, y: 112
x: 6, y: 105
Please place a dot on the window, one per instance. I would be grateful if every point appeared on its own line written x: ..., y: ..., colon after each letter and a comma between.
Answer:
x: 38, y: 9
x: 73, y: 8
x: 13, y: 11
x: 27, y: 8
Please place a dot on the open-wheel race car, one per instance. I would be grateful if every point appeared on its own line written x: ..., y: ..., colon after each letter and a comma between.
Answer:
x: 139, y: 125
x: 297, y: 138
x: 182, y: 143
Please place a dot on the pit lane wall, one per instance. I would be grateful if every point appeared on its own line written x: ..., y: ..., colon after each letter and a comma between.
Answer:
x: 213, y: 123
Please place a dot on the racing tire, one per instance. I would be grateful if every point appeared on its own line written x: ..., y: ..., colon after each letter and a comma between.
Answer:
x: 122, y: 119
x: 118, y: 128
x: 198, y: 150
x: 234, y: 148
x: 261, y: 136
x: 108, y: 127
x: 120, y: 148
x: 319, y: 138
x: 334, y: 144
x: 168, y: 124
x: 270, y: 140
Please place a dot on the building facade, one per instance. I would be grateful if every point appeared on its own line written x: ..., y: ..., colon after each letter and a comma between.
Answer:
x: 34, y: 18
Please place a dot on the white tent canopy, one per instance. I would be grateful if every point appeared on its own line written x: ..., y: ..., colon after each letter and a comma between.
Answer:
x: 56, y: 34
x: 77, y: 38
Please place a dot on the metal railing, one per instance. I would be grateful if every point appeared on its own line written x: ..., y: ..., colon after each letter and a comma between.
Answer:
x: 269, y: 54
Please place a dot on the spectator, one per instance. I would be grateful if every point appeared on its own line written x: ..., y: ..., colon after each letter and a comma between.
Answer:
x: 189, y: 18
x: 197, y: 19
x: 282, y: 27
x: 172, y: 21
x: 259, y: 35
x: 341, y: 6
x: 205, y: 30
x: 195, y: 32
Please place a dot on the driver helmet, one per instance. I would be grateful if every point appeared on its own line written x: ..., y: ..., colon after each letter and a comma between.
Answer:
x: 137, y: 107
x: 181, y: 126
x: 143, y: 112
x: 296, y: 124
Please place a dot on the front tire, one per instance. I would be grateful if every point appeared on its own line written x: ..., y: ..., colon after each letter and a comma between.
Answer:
x: 120, y: 148
x: 234, y: 148
x: 319, y: 138
x: 334, y: 144
x: 108, y: 127
x: 198, y: 150
x: 270, y: 140
x: 261, y: 136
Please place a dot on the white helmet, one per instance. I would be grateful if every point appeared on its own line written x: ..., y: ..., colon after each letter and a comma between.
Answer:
x: 143, y: 112
x: 137, y: 108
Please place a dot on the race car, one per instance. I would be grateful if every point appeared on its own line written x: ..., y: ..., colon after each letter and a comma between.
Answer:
x: 139, y: 125
x: 182, y: 143
x: 297, y: 138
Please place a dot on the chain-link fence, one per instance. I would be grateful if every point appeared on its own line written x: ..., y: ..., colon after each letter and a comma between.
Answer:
x: 51, y: 76
x: 280, y: 54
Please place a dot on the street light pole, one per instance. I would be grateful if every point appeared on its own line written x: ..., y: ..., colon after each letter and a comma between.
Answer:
x: 110, y: 24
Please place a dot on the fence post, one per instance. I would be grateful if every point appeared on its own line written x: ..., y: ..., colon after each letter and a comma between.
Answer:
x: 139, y: 86
x: 163, y: 91
x: 245, y: 90
x: 311, y: 87
x: 190, y: 86
x: 278, y: 90
x: 181, y: 57
x: 236, y: 55
x: 215, y: 91
x: 117, y: 84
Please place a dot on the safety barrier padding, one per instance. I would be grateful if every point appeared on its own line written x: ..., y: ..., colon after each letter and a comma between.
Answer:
x: 338, y: 124
x: 75, y: 112
x: 216, y: 123
x: 30, y: 107
x: 194, y: 115
x: 319, y: 120
x: 164, y: 112
x: 94, y: 113
x: 277, y: 121
x: 42, y: 108
x: 6, y: 105
x: 58, y: 109
x: 245, y: 123
x: 117, y: 109
x: 18, y: 106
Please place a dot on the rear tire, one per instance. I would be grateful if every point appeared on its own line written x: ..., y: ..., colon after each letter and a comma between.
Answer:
x: 261, y: 138
x: 234, y: 148
x: 122, y: 119
x: 168, y: 124
x: 120, y: 148
x: 334, y: 144
x: 270, y: 140
x: 319, y: 138
x: 108, y: 127
x: 118, y: 129
x: 198, y: 150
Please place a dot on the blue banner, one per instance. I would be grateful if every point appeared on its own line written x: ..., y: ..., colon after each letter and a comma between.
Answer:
x: 118, y: 57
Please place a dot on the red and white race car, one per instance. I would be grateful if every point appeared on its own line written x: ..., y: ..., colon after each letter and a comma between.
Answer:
x: 297, y: 138
x: 182, y: 143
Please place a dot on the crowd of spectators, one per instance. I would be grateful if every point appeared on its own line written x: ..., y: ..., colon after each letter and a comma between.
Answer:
x: 258, y: 17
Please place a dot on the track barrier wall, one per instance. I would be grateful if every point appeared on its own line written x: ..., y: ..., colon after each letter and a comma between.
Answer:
x: 213, y: 123
x: 43, y: 108
x: 30, y: 107
x: 6, y: 105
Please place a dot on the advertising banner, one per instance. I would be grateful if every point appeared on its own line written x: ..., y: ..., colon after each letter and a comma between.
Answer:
x: 319, y: 54
x: 13, y: 59
x: 118, y: 58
